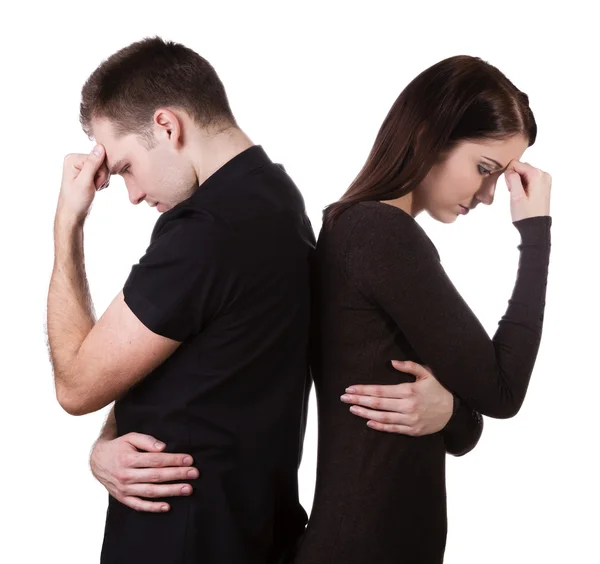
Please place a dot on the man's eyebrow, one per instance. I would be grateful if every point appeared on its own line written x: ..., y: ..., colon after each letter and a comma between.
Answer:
x: 116, y: 167
x: 496, y: 162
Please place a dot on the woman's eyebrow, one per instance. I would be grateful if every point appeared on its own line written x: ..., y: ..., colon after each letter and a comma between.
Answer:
x: 494, y: 161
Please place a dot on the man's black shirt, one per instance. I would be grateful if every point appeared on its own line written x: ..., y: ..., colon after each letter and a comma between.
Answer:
x: 226, y: 273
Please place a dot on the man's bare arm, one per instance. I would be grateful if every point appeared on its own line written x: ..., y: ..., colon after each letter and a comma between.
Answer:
x: 109, y: 429
x: 71, y: 314
x: 95, y: 362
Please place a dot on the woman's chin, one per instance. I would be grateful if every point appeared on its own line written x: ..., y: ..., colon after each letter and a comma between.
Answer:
x: 443, y: 216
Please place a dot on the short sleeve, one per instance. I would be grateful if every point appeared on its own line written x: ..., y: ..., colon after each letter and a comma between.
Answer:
x: 175, y: 288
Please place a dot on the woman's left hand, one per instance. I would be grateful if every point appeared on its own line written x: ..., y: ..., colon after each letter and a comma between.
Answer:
x: 415, y: 408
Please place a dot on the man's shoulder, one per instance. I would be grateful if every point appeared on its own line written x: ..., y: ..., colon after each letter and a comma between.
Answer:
x: 190, y: 222
x: 191, y: 237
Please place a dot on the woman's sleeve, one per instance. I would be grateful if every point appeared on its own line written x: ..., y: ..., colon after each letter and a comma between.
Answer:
x: 394, y: 264
x: 464, y: 429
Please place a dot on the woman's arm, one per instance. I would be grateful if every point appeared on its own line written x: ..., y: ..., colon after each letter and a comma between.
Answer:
x: 417, y: 408
x: 464, y: 429
x: 391, y: 261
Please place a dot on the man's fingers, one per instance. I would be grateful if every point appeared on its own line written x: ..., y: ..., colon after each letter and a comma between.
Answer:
x: 144, y: 442
x: 102, y: 180
x: 158, y: 490
x: 143, y: 505
x: 158, y: 475
x: 156, y: 460
x: 91, y: 165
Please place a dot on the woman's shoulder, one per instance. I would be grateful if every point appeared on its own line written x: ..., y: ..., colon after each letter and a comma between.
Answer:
x: 380, y: 240
x: 376, y: 211
x: 372, y: 212
x: 388, y: 228
x: 373, y: 229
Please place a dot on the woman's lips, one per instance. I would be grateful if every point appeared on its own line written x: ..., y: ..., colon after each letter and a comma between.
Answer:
x: 464, y: 210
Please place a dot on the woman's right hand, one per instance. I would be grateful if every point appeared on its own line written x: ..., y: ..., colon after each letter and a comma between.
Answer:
x: 529, y: 190
x: 129, y: 475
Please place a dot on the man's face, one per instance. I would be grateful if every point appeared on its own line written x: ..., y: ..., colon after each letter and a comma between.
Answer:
x: 158, y: 175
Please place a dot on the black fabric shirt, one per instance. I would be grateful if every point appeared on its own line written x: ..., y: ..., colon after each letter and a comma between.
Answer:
x: 226, y: 273
x: 380, y: 293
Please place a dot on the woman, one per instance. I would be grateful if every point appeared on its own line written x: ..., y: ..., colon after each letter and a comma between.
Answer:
x: 381, y: 294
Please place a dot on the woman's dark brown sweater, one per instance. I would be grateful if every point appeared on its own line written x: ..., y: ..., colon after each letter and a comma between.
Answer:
x: 381, y: 294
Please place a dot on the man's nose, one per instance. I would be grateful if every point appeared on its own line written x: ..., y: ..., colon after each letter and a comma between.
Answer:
x: 136, y: 198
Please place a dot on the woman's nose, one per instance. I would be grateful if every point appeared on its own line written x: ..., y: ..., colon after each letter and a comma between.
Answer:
x: 486, y: 196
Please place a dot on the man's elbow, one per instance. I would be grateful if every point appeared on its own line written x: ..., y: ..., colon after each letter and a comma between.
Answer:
x: 74, y: 402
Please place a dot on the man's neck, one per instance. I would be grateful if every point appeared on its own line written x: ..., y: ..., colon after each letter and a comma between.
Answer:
x: 214, y: 150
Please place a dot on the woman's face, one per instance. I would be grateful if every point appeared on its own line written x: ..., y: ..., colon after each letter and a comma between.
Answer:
x: 466, y: 177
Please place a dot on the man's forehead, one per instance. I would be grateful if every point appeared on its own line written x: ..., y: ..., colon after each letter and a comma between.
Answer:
x: 101, y: 127
x: 114, y: 161
x: 102, y: 133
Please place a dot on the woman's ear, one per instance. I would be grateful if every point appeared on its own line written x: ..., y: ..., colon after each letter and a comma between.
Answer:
x: 418, y: 136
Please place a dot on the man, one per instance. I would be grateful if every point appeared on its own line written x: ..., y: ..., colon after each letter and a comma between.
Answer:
x: 206, y: 346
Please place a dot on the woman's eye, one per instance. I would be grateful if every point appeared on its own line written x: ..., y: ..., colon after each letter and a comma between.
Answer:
x: 484, y: 170
x: 126, y: 169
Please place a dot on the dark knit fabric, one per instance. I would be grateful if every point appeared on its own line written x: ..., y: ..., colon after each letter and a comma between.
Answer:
x: 380, y: 293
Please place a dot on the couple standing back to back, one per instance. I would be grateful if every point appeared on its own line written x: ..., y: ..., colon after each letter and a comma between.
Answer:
x: 207, y: 352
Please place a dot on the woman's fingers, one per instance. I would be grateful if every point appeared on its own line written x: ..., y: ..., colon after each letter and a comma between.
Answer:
x: 390, y: 428
x: 529, y: 188
x: 383, y: 416
x: 410, y: 367
x: 404, y: 390
x: 402, y: 405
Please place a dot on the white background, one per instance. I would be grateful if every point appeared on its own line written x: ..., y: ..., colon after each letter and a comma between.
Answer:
x: 312, y: 84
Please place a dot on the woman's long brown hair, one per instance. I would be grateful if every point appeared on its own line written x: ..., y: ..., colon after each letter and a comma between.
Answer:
x: 458, y: 99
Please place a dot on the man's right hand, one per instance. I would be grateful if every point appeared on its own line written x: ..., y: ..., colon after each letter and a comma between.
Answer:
x: 130, y: 475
